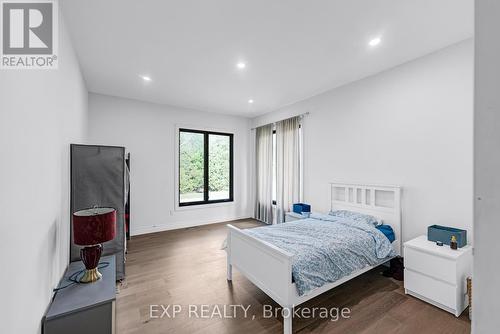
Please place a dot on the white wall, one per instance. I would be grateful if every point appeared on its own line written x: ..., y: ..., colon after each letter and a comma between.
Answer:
x: 41, y: 113
x: 409, y: 126
x: 486, y: 306
x: 147, y: 130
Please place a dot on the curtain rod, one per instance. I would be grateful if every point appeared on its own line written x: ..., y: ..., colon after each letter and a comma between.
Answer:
x: 299, y: 115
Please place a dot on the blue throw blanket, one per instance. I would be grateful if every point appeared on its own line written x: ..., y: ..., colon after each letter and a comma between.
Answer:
x: 326, y: 248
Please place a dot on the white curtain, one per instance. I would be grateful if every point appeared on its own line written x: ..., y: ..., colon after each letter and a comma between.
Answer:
x: 264, y: 173
x: 287, y: 166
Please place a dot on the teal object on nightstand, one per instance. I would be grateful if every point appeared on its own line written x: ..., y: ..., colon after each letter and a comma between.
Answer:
x: 301, y: 208
x: 444, y: 234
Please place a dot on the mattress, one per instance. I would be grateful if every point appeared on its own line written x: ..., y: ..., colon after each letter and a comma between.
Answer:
x: 326, y: 248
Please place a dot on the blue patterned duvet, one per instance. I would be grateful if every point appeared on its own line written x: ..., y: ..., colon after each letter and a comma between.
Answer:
x: 326, y: 248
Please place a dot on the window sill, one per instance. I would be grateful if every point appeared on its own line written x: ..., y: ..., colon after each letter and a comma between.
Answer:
x: 202, y: 206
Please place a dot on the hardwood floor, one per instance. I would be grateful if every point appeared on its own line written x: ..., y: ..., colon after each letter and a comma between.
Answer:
x: 186, y: 267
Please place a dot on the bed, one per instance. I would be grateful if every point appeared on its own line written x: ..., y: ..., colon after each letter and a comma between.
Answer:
x: 272, y: 268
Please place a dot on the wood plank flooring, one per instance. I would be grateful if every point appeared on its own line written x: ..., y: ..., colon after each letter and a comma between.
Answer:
x: 184, y: 267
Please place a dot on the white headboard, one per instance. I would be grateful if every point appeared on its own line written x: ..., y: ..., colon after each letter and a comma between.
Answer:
x: 380, y: 201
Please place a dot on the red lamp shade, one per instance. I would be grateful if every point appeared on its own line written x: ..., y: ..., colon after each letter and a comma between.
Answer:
x: 94, y: 226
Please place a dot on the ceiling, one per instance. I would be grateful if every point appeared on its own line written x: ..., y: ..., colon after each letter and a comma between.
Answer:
x: 293, y: 49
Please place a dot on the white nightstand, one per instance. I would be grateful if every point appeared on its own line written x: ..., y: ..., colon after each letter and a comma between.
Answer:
x: 437, y: 274
x: 291, y: 216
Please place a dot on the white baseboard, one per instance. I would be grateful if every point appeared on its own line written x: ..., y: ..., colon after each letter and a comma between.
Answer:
x: 179, y: 225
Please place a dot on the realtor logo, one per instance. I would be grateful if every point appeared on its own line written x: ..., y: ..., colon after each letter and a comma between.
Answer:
x: 29, y: 34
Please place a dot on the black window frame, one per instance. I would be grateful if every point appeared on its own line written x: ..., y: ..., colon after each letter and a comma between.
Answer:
x: 206, y: 180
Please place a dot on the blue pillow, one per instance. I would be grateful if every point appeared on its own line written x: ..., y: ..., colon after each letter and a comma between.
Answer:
x: 388, y: 232
x: 356, y: 216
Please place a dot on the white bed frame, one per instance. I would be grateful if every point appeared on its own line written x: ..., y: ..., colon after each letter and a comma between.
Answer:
x: 270, y: 268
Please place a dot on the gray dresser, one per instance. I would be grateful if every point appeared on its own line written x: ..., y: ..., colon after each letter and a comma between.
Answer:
x: 84, y: 308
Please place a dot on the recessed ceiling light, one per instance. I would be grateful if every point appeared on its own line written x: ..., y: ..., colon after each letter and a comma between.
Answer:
x: 250, y: 101
x: 145, y: 78
x: 374, y: 42
x: 241, y: 65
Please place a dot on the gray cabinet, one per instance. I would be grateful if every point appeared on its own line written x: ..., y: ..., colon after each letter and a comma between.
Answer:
x: 84, y: 308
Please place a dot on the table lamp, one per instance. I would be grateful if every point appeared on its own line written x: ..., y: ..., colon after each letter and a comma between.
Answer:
x: 92, y: 227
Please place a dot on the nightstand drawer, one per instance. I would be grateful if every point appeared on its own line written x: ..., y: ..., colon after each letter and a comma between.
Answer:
x: 428, y: 287
x: 436, y: 266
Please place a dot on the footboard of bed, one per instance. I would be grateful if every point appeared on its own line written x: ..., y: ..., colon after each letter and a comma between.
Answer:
x: 265, y: 265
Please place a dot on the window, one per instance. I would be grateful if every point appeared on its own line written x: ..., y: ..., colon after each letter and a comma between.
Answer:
x: 274, y: 167
x: 205, y: 167
x: 275, y: 164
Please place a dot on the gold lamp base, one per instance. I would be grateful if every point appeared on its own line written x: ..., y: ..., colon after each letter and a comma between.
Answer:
x: 90, y: 276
